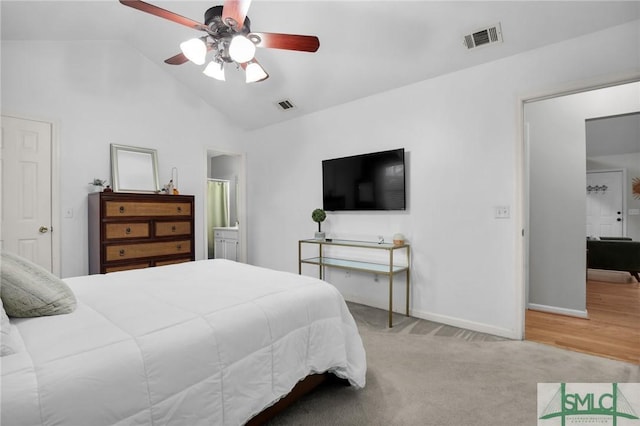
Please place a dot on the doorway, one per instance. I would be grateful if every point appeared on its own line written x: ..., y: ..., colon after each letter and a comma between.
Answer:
x: 554, y: 134
x: 29, y: 191
x: 555, y: 143
x: 225, y: 212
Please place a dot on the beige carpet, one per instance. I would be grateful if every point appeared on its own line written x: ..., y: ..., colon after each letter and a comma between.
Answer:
x: 424, y: 373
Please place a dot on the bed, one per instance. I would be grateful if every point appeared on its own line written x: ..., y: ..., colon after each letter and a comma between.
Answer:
x: 210, y: 342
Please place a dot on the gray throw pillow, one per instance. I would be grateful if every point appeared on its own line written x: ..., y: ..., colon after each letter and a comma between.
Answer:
x: 28, y: 290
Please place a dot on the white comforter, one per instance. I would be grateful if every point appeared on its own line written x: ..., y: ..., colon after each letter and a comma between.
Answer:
x: 209, y: 342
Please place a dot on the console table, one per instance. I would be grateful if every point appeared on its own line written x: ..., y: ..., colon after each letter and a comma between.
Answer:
x: 389, y: 268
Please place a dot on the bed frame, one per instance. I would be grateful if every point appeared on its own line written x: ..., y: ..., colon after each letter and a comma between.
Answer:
x: 303, y: 387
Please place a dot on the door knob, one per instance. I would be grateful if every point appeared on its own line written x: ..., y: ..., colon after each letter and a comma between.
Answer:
x: 43, y: 229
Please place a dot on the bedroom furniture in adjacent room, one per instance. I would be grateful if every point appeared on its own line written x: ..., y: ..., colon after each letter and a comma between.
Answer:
x: 131, y: 231
x: 210, y: 342
x: 388, y: 268
x: 226, y: 243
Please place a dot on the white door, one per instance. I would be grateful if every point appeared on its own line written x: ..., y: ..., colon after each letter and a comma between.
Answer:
x: 25, y: 165
x: 604, y: 204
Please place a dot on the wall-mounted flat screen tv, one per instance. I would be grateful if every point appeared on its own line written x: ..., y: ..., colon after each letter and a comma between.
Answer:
x: 374, y: 181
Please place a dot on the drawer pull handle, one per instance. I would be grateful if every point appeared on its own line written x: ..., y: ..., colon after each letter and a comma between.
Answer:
x: 121, y: 209
x: 173, y: 228
x: 121, y: 252
x: 179, y: 246
x: 127, y: 231
x: 179, y: 209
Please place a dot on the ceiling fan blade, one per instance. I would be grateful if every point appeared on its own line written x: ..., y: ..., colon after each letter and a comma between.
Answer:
x: 163, y: 13
x: 304, y: 43
x: 235, y: 10
x: 178, y: 59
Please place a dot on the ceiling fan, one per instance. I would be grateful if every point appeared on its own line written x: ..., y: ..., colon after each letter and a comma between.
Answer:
x: 228, y: 37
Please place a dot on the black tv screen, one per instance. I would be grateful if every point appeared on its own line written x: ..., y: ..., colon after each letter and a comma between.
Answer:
x: 374, y: 181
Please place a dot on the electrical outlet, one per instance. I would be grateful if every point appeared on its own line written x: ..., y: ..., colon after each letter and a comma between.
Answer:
x: 375, y: 278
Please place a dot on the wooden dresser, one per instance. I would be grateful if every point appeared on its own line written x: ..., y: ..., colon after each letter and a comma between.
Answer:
x: 131, y: 231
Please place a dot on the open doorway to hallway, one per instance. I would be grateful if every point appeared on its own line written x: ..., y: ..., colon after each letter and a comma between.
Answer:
x: 558, y: 158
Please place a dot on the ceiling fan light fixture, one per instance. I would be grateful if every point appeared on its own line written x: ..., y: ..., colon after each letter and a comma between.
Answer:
x: 255, y: 73
x: 215, y: 70
x: 241, y: 49
x: 195, y: 50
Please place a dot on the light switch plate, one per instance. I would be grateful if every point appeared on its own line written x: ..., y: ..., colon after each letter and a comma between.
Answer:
x: 502, y: 212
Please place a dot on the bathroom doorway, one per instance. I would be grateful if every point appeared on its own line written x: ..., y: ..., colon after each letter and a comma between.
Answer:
x: 225, y: 203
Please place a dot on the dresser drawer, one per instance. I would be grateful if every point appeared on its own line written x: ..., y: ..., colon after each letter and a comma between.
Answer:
x: 127, y: 267
x: 165, y: 229
x: 173, y: 261
x: 133, y: 251
x: 126, y: 230
x: 133, y: 208
x: 228, y: 234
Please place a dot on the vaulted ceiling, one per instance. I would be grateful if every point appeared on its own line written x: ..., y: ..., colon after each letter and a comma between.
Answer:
x: 366, y: 47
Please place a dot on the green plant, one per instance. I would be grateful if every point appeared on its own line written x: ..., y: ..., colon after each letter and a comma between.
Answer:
x: 318, y: 215
x: 98, y: 182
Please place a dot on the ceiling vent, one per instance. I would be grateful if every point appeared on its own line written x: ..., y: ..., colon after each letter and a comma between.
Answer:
x: 484, y: 36
x: 285, y: 105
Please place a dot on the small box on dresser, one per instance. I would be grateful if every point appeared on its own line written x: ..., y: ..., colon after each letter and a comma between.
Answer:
x: 132, y: 231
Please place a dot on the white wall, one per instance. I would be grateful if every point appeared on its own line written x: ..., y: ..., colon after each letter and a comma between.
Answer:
x: 630, y: 162
x: 557, y: 192
x: 462, y: 137
x: 97, y: 93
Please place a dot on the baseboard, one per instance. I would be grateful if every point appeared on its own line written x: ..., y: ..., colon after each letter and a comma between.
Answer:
x: 442, y: 319
x: 469, y: 325
x: 558, y: 310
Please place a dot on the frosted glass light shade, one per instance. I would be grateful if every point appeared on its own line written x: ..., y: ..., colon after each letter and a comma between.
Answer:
x: 195, y: 50
x: 214, y: 70
x: 241, y: 49
x: 255, y: 72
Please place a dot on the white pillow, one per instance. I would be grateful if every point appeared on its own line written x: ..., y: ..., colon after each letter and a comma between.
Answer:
x: 7, y: 345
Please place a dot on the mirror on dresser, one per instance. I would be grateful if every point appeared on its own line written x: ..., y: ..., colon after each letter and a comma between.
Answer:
x: 134, y: 169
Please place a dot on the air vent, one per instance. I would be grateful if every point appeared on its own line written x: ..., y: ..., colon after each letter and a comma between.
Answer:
x: 484, y: 36
x: 285, y: 105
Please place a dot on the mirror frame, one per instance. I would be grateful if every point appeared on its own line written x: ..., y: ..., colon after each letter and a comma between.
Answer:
x: 143, y: 177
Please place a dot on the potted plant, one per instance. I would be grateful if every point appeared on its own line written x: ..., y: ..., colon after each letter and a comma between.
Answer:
x: 98, y: 184
x: 319, y: 215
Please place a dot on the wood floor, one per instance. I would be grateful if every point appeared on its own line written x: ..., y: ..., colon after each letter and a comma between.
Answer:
x: 612, y: 330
